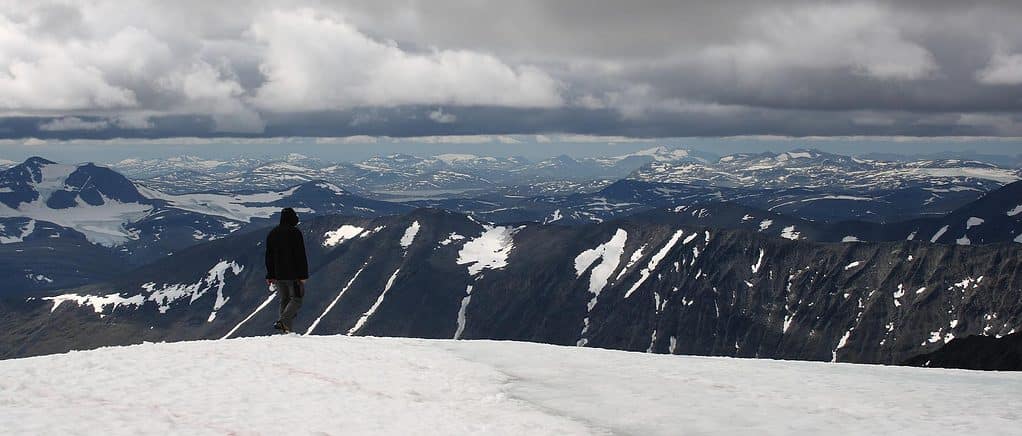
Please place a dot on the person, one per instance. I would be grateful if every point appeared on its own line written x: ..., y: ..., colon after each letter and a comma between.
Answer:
x: 287, y: 267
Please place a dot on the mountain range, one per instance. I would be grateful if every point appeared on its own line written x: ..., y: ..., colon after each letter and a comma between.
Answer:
x: 93, y: 258
x: 629, y: 284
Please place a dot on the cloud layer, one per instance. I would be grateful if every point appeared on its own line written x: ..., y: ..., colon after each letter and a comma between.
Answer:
x: 102, y: 69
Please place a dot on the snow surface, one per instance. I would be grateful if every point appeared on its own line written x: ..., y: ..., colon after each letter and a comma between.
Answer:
x: 357, y: 385
x: 1015, y: 210
x: 973, y: 222
x: 940, y: 232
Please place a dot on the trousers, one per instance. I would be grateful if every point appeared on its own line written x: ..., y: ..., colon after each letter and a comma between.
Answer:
x: 290, y: 293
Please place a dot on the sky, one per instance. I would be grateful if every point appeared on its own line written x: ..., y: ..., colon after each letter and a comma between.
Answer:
x: 856, y: 73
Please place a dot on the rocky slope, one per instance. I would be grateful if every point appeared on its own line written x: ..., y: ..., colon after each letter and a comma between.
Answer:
x: 976, y: 352
x: 633, y: 284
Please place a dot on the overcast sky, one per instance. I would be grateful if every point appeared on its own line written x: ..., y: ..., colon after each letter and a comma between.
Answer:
x: 640, y: 69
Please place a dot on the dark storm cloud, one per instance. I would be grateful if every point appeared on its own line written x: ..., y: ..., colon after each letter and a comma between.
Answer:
x: 410, y: 68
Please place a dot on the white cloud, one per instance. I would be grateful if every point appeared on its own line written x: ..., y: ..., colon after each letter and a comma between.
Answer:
x: 1003, y: 124
x: 860, y: 37
x: 357, y: 139
x: 134, y: 120
x: 319, y: 62
x: 72, y: 123
x: 440, y: 117
x: 34, y: 141
x: 1003, y: 69
x: 211, y: 90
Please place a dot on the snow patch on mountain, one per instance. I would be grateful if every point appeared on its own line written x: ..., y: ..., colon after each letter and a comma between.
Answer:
x: 343, y: 233
x: 489, y: 250
x: 453, y: 237
x: 409, y: 236
x: 790, y: 233
x: 163, y: 295
x: 166, y: 294
x: 939, y: 233
x: 973, y: 222
x: 98, y: 302
x: 1015, y: 210
x: 609, y: 255
x: 238, y: 207
x: 26, y: 230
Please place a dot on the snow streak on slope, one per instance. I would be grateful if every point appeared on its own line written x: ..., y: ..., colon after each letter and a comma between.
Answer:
x: 410, y: 386
x: 609, y: 254
x: 654, y: 261
x: 336, y: 299
x: 461, y: 312
x: 254, y: 312
x: 759, y: 262
x: 379, y: 300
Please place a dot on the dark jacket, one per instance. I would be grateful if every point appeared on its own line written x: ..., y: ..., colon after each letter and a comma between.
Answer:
x: 285, y: 250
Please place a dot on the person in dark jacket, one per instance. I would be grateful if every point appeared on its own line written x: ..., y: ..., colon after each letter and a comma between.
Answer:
x: 287, y: 266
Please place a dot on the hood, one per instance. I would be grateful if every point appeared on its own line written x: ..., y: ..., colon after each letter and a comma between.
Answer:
x: 288, y: 217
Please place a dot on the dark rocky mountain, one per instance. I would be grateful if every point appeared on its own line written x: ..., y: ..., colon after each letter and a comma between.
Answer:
x: 976, y: 352
x: 638, y: 283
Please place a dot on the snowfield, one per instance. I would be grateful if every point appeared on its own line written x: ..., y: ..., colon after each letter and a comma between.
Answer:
x: 355, y: 385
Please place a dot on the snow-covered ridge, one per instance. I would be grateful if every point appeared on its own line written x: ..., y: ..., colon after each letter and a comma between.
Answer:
x: 163, y: 295
x: 414, y: 386
x: 238, y: 207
